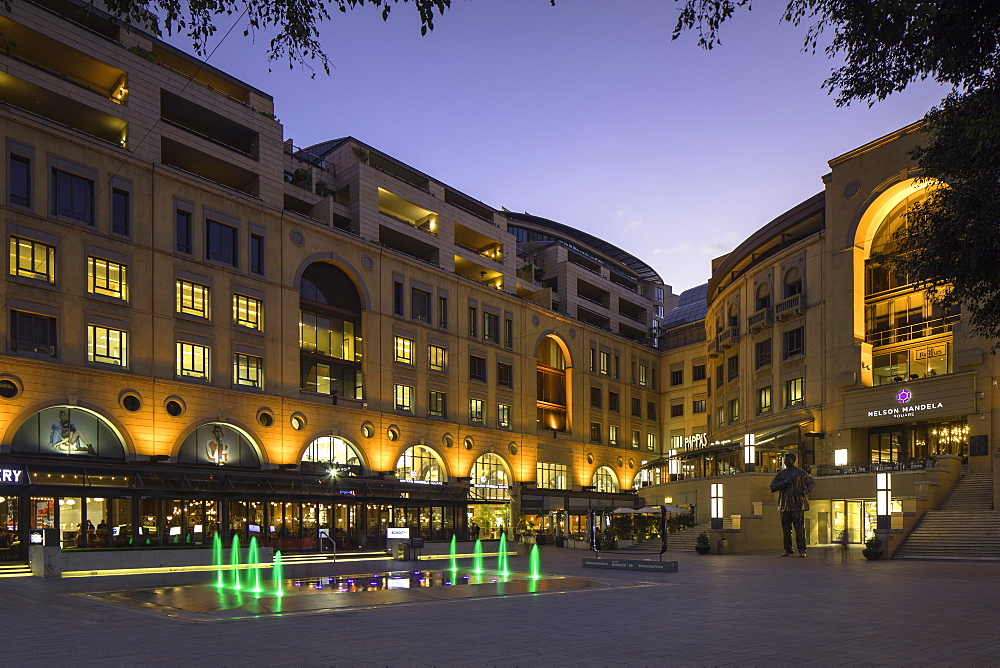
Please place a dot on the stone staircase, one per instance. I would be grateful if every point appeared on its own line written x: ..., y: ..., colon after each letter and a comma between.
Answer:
x: 964, y: 528
x: 684, y: 540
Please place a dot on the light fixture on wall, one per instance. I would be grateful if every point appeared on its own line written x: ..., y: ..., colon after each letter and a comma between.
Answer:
x: 749, y: 453
x: 717, y: 505
x: 883, y: 501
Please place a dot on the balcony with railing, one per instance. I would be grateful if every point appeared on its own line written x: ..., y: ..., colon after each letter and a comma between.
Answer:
x: 790, y: 306
x: 401, y: 210
x: 759, y: 320
x: 592, y: 293
x: 727, y: 338
x: 917, y: 330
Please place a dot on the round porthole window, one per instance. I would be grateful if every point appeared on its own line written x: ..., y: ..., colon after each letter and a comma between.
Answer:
x: 131, y: 403
x: 265, y: 419
x: 8, y: 389
x: 621, y: 462
x: 367, y: 430
x: 512, y: 448
x: 392, y: 433
x: 174, y: 407
x: 631, y: 463
x: 468, y: 443
x: 590, y: 458
x: 449, y: 442
x: 298, y: 422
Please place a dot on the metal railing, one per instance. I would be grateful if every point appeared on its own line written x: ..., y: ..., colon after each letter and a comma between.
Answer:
x: 915, y: 331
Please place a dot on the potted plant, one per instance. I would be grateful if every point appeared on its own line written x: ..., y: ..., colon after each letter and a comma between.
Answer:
x: 702, y: 544
x: 873, y: 549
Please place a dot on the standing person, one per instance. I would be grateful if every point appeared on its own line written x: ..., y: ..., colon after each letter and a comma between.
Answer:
x: 793, y: 486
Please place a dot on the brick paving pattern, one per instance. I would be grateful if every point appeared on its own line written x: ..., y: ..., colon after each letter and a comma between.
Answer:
x: 718, y: 610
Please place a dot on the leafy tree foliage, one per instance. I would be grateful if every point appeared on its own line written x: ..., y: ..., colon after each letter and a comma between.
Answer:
x: 951, y: 242
x: 296, y: 21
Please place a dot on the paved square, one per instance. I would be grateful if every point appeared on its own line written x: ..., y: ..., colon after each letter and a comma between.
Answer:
x: 755, y: 609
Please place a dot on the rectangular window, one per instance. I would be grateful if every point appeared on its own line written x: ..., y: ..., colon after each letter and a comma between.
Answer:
x: 402, y: 398
x: 107, y: 346
x: 193, y: 361
x: 795, y: 392
x: 403, y: 349
x: 676, y: 443
x: 593, y: 359
x: 551, y: 476
x: 651, y: 442
x: 72, y: 196
x: 613, y: 404
x: 618, y: 367
x: 437, y: 404
x: 192, y: 298
x: 658, y: 311
x: 508, y: 333
x: 420, y: 305
x: 183, y: 232
x: 651, y: 410
x: 477, y: 368
x: 248, y: 312
x: 248, y: 371
x: 397, y: 298
x: 720, y: 378
x: 595, y: 397
x: 613, y: 435
x: 733, y: 367
x: 698, y: 406
x: 107, y: 278
x: 121, y: 211
x: 636, y: 408
x: 32, y: 333
x: 698, y: 372
x: 437, y: 358
x: 658, y: 292
x: 476, y: 410
x: 443, y: 312
x: 676, y: 410
x: 32, y: 259
x: 677, y: 377
x: 604, y: 360
x: 19, y: 180
x: 764, y: 400
x: 503, y: 416
x: 762, y: 354
x: 596, y: 432
x: 793, y: 342
x: 636, y: 439
x: 720, y: 416
x: 633, y: 373
x: 257, y: 254
x: 505, y: 375
x: 222, y: 243
x: 652, y: 378
x: 473, y: 322
x: 734, y: 410
x: 491, y: 327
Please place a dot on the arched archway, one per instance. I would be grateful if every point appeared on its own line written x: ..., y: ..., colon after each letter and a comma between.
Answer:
x: 491, y: 477
x: 71, y: 431
x: 553, y: 390
x: 220, y: 444
x: 330, y: 337
x: 420, y: 463
x: 335, y: 454
x: 605, y: 480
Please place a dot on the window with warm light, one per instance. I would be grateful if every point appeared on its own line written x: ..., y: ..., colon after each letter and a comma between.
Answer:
x: 193, y: 299
x: 193, y: 361
x: 403, y: 350
x: 503, y: 416
x: 795, y: 392
x: 419, y: 464
x: 437, y: 404
x: 551, y: 476
x: 248, y: 371
x: 32, y: 259
x: 402, y: 397
x: 476, y: 411
x: 107, y: 278
x: 248, y: 312
x: 605, y: 480
x: 106, y: 345
x: 437, y: 357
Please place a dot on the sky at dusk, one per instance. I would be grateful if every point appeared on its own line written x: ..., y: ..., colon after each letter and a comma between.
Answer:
x: 586, y: 113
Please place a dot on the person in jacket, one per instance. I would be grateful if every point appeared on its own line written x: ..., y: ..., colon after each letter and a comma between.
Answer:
x: 793, y: 486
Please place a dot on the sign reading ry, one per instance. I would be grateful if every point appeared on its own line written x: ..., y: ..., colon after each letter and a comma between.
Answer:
x: 13, y: 476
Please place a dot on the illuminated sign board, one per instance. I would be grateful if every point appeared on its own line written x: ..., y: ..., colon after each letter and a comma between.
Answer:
x: 696, y: 441
x: 398, y: 532
x: 905, y: 406
x: 946, y: 396
x: 13, y: 476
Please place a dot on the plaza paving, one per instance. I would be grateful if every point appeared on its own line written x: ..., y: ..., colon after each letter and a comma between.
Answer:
x: 756, y: 609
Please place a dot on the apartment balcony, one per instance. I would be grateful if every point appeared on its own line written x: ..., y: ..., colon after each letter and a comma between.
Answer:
x: 489, y: 276
x: 633, y: 333
x: 469, y: 206
x: 407, y: 212
x: 727, y: 338
x: 790, y: 307
x: 917, y: 330
x: 480, y: 244
x: 762, y: 319
x: 208, y: 166
x: 622, y: 280
x: 408, y: 245
x: 593, y: 318
x: 396, y: 170
x: 214, y: 127
x: 592, y: 293
x: 631, y: 311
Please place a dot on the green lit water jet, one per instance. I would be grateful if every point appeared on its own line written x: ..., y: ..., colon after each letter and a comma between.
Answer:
x: 278, y: 574
x: 534, y: 563
x: 234, y: 560
x: 502, y: 557
x: 477, y: 558
x: 454, y: 549
x: 217, y: 559
x: 253, y: 561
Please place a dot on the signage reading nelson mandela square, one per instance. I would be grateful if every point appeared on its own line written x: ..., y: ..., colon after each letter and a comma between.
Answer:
x: 947, y: 397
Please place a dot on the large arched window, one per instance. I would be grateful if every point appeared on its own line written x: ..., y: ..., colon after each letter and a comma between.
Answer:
x: 490, y: 479
x: 910, y: 335
x: 219, y: 444
x: 552, y: 386
x: 605, y: 480
x: 763, y: 297
x: 332, y: 453
x: 68, y: 431
x: 330, y: 332
x: 420, y: 464
x: 792, y: 283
